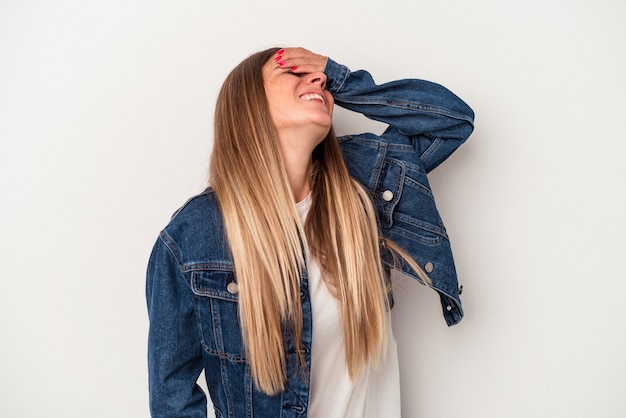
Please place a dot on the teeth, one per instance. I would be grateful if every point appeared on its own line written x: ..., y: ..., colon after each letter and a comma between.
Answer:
x: 312, y: 96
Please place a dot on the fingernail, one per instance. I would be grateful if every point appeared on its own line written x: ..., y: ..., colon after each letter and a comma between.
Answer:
x: 277, y: 58
x: 281, y: 63
x: 280, y: 52
x: 294, y: 68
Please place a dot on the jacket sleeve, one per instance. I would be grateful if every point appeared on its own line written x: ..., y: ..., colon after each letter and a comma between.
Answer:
x: 174, y: 348
x: 435, y: 120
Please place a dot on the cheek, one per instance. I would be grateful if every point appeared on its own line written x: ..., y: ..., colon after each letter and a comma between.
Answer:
x: 276, y: 109
x: 277, y: 100
x: 271, y: 98
x: 280, y: 112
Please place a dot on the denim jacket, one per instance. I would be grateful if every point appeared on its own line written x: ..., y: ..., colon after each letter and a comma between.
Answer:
x: 191, y: 289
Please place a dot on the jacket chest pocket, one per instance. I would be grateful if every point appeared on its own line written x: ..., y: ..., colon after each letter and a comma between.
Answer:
x: 388, y: 191
x: 216, y: 304
x: 406, y: 206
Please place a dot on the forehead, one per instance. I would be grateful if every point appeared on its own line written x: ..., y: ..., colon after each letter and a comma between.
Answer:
x: 270, y: 69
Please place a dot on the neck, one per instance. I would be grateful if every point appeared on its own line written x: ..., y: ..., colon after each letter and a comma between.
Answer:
x: 299, y: 174
x: 296, y: 156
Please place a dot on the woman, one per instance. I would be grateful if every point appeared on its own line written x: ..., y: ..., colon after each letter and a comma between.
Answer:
x: 275, y: 280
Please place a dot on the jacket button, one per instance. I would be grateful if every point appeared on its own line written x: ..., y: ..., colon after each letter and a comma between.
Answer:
x: 429, y: 267
x: 387, y: 195
x: 232, y: 288
x: 449, y: 308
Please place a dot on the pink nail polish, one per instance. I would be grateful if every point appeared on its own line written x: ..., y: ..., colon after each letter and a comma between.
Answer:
x: 280, y: 52
x: 281, y: 63
x: 278, y: 58
x: 294, y: 68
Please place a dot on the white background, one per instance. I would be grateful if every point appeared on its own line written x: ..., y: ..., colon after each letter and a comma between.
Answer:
x: 106, y: 126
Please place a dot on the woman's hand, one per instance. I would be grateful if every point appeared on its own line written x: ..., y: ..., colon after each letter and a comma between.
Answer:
x: 300, y: 60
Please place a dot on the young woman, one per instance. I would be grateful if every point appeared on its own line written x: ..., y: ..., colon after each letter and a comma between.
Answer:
x: 275, y: 280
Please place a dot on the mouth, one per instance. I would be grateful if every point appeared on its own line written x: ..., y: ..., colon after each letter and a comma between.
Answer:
x: 313, y: 96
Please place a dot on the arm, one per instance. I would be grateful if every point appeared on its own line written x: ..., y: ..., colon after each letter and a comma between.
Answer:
x: 431, y: 117
x: 435, y: 121
x: 174, y: 350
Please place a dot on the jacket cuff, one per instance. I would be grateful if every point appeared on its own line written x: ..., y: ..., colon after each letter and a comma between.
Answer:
x: 336, y: 75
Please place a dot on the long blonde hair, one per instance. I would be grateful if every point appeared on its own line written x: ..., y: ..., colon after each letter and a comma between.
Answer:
x: 266, y: 237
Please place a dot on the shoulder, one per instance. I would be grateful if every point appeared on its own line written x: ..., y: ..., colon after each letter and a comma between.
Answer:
x: 197, y: 208
x: 195, y: 232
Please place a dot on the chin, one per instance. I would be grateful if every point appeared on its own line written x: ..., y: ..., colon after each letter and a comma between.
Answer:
x: 324, y: 121
x: 325, y: 129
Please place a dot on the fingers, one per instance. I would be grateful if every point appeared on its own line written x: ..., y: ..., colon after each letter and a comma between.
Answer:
x: 300, y: 60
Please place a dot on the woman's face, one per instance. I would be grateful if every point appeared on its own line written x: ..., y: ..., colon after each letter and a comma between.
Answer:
x: 298, y: 102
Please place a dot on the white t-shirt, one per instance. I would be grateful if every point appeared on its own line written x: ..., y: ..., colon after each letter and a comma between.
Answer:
x: 373, y: 394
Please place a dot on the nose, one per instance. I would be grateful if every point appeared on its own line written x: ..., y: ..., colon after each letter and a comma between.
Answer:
x: 318, y: 78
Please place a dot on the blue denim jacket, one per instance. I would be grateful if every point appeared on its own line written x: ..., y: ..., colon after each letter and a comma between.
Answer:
x: 191, y: 289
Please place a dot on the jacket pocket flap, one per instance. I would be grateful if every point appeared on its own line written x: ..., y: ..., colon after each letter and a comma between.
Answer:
x: 215, y: 284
